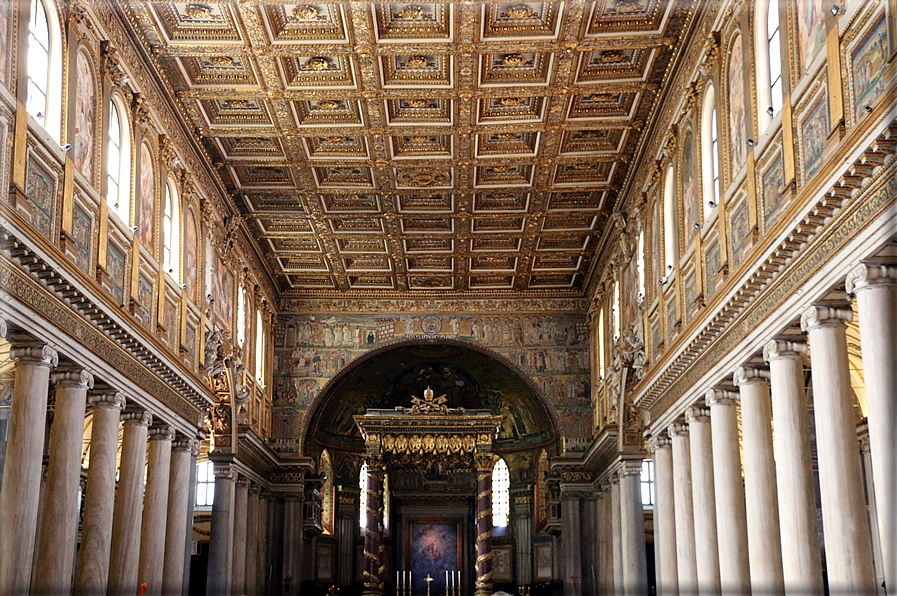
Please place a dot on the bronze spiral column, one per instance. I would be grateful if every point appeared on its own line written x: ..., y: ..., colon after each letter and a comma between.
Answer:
x: 484, y: 524
x: 373, y: 533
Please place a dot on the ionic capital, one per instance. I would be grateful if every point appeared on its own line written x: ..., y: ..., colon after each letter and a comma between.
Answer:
x: 254, y: 489
x: 243, y: 482
x: 817, y: 316
x: 778, y: 349
x: 697, y: 414
x: 677, y: 429
x: 72, y: 378
x: 34, y: 354
x: 137, y: 417
x: 745, y: 375
x: 658, y: 442
x: 162, y: 432
x: 108, y: 398
x: 225, y: 470
x: 186, y: 445
x: 630, y: 468
x: 865, y: 276
x: 721, y: 397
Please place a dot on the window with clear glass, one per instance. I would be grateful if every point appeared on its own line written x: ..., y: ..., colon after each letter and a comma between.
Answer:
x: 615, y: 311
x: 775, y: 58
x: 363, y: 496
x: 205, y: 484
x: 241, y: 316
x: 640, y: 265
x: 38, y: 62
x: 670, y: 220
x: 601, y: 353
x: 647, y: 484
x: 501, y: 494
x: 170, y: 236
x: 259, y: 349
x: 118, y: 163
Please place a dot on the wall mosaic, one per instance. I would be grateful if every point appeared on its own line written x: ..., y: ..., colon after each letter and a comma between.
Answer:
x: 85, y: 109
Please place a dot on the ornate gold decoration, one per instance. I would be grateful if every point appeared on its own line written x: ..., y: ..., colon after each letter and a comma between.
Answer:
x: 612, y: 56
x: 237, y: 104
x: 509, y: 102
x: 425, y: 179
x: 420, y: 103
x: 327, y: 104
x: 197, y: 11
x: 520, y: 11
x: 305, y: 12
x: 417, y: 62
x: 514, y: 60
x: 221, y: 61
x: 412, y: 11
x: 317, y: 64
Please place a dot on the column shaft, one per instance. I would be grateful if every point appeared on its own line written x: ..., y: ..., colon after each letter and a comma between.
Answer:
x: 59, y: 514
x: 571, y: 543
x: 484, y: 525
x: 848, y: 541
x: 222, y: 531
x: 20, y: 494
x: 632, y: 526
x: 292, y: 540
x: 241, y: 498
x: 252, y: 540
x: 617, y: 533
x: 875, y: 288
x: 92, y: 568
x: 801, y: 560
x: 125, y: 559
x: 155, y: 506
x: 704, y: 500
x: 665, y: 563
x: 605, y: 544
x: 764, y: 540
x: 731, y: 517
x: 685, y: 515
x: 179, y: 508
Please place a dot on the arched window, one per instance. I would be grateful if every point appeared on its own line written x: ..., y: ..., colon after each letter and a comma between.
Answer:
x: 44, y: 69
x: 363, y: 496
x: 171, y: 241
x: 118, y: 162
x: 640, y: 265
x: 769, y: 61
x: 259, y: 349
x: 710, y: 152
x: 241, y: 316
x: 615, y: 311
x: 670, y: 221
x: 601, y: 352
x: 501, y: 494
x: 205, y: 484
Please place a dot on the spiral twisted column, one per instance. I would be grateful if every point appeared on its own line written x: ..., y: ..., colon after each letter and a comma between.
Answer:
x: 484, y: 524
x: 373, y: 532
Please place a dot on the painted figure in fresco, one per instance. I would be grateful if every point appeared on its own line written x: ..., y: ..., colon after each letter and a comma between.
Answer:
x: 84, y: 116
x: 737, y: 123
x: 190, y: 245
x: 811, y: 29
x: 144, y: 216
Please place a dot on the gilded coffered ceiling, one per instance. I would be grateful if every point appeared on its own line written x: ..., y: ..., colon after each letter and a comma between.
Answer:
x: 430, y: 148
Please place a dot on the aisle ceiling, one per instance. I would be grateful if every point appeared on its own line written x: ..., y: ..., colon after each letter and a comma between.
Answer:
x: 424, y: 148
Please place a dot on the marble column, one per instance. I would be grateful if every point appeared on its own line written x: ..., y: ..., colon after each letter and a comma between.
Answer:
x: 92, y: 567
x: 252, y: 540
x: 571, y: 543
x: 801, y: 553
x: 484, y: 524
x: 191, y: 503
x: 292, y: 539
x: 264, y: 565
x: 848, y: 541
x: 155, y: 509
x: 605, y: 542
x: 764, y: 539
x: 20, y: 494
x: 686, y: 557
x: 871, y: 506
x: 704, y: 500
x: 180, y: 514
x: 523, y: 535
x: 238, y: 568
x: 728, y: 487
x: 875, y: 288
x: 588, y: 504
x: 664, y: 517
x: 616, y: 533
x: 125, y: 559
x: 222, y: 531
x: 632, y: 526
x: 59, y: 510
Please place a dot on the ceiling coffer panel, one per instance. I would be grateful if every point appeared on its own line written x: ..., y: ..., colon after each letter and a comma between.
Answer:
x: 432, y: 148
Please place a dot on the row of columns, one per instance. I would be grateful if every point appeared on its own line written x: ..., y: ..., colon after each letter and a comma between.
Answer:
x: 238, y: 546
x: 716, y: 533
x: 130, y: 535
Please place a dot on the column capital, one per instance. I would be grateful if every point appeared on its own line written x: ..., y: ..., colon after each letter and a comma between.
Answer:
x: 778, y: 349
x: 254, y: 489
x: 34, y: 353
x: 817, y: 316
x: 866, y: 275
x: 745, y: 375
x: 677, y: 429
x: 242, y: 481
x: 162, y: 432
x: 630, y: 468
x: 137, y: 417
x: 191, y: 445
x: 484, y: 462
x: 224, y: 470
x: 658, y: 442
x: 718, y: 396
x: 697, y: 414
x: 106, y: 398
x: 72, y: 377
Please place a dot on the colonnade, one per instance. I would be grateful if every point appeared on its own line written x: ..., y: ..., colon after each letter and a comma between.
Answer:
x: 130, y: 534
x: 716, y: 532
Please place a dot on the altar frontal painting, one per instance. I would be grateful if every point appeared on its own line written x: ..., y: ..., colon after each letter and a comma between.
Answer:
x: 434, y: 548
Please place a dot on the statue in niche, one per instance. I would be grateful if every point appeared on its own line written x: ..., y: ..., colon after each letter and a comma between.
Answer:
x: 214, y: 356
